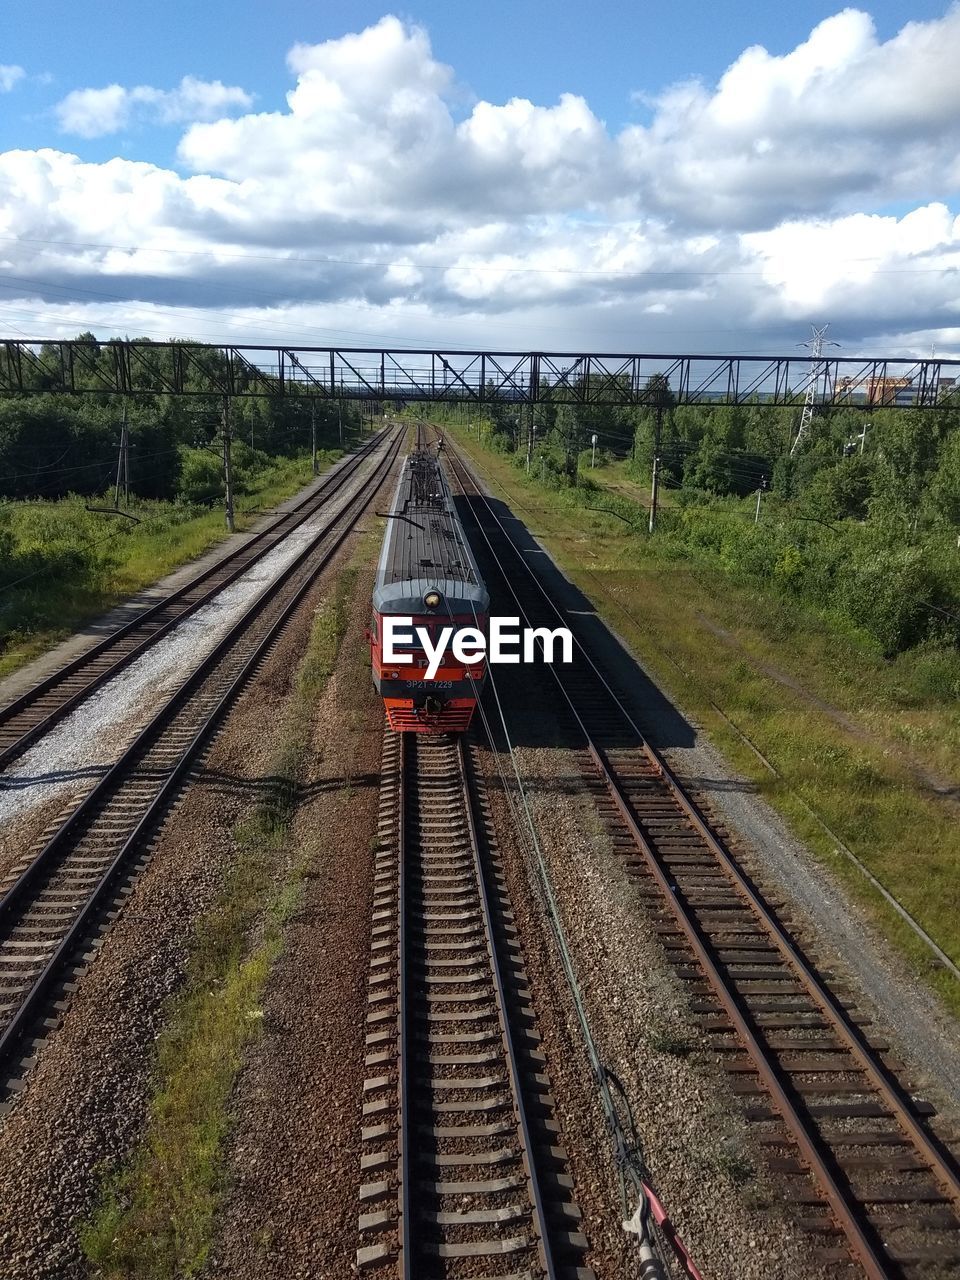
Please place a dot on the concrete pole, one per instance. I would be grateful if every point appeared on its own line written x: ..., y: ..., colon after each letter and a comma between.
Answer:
x: 655, y: 478
x: 227, y: 468
x: 125, y: 446
x: 116, y: 487
x: 654, y: 493
x: 313, y: 433
x: 756, y: 515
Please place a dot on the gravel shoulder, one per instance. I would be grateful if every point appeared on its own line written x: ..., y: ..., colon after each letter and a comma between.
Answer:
x: 295, y: 1153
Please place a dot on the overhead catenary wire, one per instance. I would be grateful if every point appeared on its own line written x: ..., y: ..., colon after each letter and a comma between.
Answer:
x: 297, y: 259
x: 633, y: 1175
x: 628, y: 1160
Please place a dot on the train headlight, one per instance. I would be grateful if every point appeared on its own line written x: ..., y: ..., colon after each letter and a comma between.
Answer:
x: 433, y: 599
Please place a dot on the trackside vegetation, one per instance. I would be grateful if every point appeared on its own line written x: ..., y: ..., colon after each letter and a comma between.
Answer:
x: 62, y: 563
x: 157, y: 1214
x: 861, y: 523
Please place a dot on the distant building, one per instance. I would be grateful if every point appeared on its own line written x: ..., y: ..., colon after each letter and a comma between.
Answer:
x: 887, y: 390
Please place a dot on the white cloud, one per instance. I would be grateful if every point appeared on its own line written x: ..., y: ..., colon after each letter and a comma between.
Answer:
x: 91, y: 113
x: 740, y: 212
x: 894, y: 270
x: 10, y: 76
x: 840, y: 119
x: 369, y: 123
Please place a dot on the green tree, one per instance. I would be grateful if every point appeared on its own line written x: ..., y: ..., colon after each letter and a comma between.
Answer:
x: 944, y: 491
x: 842, y: 490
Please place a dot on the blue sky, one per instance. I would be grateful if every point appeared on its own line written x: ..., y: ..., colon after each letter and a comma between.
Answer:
x: 658, y: 185
x: 605, y: 51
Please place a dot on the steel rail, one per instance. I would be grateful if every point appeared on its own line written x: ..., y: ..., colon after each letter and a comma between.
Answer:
x: 404, y: 1026
x: 826, y: 1002
x: 865, y: 1247
x: 293, y: 518
x: 117, y: 770
x: 839, y: 1199
x: 410, y: 1259
x: 18, y: 894
x: 534, y: 1189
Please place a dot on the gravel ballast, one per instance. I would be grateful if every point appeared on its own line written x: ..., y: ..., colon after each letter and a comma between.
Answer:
x: 68, y: 759
x: 703, y: 1160
x: 84, y: 1103
x: 295, y: 1154
x: 698, y: 1151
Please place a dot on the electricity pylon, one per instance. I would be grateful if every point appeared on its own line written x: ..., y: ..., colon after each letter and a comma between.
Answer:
x: 817, y: 344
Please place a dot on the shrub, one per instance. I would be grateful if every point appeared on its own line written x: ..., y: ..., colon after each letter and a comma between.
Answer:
x: 888, y: 591
x: 201, y: 480
x: 501, y: 442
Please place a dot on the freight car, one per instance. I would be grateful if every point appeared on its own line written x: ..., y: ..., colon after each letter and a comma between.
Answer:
x: 427, y: 574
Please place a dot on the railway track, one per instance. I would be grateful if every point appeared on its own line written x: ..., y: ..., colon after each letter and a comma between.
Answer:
x: 28, y: 717
x: 462, y: 1175
x: 53, y: 901
x: 855, y: 1153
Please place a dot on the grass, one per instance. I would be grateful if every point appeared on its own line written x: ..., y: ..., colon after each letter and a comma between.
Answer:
x: 861, y: 780
x: 157, y: 1214
x: 75, y: 564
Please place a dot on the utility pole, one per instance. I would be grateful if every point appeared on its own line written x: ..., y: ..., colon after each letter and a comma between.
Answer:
x: 863, y: 435
x: 227, y: 471
x: 593, y: 455
x: 339, y: 424
x: 125, y: 439
x: 313, y: 432
x: 123, y: 468
x: 816, y: 343
x: 655, y: 478
x: 756, y: 514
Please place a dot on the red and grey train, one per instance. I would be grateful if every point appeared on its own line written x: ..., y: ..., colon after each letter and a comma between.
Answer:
x: 427, y: 573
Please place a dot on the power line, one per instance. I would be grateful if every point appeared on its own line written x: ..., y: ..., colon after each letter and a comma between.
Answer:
x: 299, y: 259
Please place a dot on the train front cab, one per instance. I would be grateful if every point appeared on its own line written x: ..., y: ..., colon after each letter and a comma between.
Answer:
x: 415, y: 704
